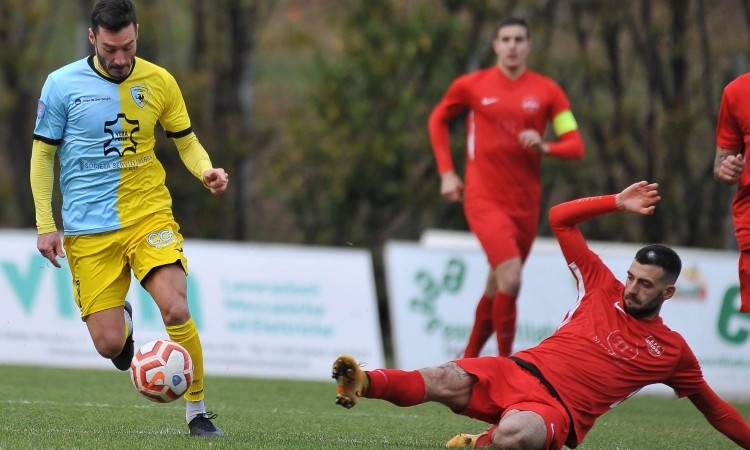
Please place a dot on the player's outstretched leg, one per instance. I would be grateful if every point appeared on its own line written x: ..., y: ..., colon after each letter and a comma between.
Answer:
x: 122, y: 361
x: 351, y: 381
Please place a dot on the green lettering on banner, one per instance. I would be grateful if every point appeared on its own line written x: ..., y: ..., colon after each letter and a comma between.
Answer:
x: 728, y: 312
x: 66, y: 305
x: 453, y: 280
x: 430, y: 289
x: 25, y: 286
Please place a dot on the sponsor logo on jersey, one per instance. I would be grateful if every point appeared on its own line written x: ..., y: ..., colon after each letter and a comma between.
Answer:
x: 619, y: 347
x: 653, y: 347
x: 122, y: 131
x: 140, y: 95
x: 81, y: 100
x: 161, y: 239
x: 489, y: 100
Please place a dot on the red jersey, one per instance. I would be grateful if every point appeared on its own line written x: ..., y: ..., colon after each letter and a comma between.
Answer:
x: 499, y: 109
x: 601, y: 355
x: 733, y: 132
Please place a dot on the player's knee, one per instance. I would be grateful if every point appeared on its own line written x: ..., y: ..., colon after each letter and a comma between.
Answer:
x: 508, y: 276
x: 509, y: 284
x: 516, y: 438
x: 520, y: 430
x: 109, y: 346
x: 175, y: 313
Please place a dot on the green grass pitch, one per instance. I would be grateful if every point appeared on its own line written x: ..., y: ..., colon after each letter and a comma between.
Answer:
x: 45, y: 408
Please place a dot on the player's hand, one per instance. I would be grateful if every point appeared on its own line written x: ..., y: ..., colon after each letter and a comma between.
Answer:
x: 532, y: 139
x: 451, y: 186
x: 730, y: 170
x: 50, y: 246
x: 216, y: 180
x: 639, y: 198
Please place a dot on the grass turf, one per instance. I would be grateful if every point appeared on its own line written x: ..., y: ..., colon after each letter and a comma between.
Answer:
x: 85, y: 409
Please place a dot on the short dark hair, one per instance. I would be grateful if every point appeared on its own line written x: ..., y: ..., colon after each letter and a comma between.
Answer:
x: 113, y: 15
x: 513, y: 20
x: 662, y: 256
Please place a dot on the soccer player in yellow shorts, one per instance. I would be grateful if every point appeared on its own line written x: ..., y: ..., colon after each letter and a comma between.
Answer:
x: 98, y: 116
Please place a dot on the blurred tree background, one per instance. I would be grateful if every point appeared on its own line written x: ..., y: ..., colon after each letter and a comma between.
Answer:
x: 318, y: 108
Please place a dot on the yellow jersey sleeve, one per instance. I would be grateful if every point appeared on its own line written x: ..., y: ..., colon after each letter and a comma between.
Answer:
x: 193, y: 155
x: 42, y: 177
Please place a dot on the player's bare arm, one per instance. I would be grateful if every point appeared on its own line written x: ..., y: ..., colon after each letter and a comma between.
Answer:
x: 50, y: 246
x: 216, y: 180
x: 451, y: 186
x: 639, y: 198
x: 728, y: 165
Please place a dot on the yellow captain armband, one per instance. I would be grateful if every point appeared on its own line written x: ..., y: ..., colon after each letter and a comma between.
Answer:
x: 564, y: 122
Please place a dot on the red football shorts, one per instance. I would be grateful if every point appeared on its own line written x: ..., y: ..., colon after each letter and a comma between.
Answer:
x: 502, y: 385
x: 501, y: 235
x: 744, y: 266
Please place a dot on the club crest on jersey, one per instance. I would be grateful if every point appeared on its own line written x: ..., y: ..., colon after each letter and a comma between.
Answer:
x: 530, y: 104
x: 654, y: 349
x: 140, y: 95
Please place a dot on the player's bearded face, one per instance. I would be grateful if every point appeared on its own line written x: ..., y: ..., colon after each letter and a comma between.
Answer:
x: 115, y: 50
x: 645, y: 290
x: 640, y: 307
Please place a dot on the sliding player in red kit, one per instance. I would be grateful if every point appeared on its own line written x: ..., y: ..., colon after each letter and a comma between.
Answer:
x: 509, y: 109
x: 611, y: 344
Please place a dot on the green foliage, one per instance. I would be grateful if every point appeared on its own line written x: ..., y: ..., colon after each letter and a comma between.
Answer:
x: 362, y: 140
x: 318, y: 110
x: 70, y: 409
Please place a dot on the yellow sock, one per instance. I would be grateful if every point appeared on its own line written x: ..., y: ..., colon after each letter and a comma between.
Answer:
x: 187, y: 336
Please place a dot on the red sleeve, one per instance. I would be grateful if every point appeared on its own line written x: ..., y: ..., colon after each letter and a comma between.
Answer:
x: 722, y: 416
x: 451, y: 105
x: 570, y: 146
x: 728, y: 132
x: 564, y: 217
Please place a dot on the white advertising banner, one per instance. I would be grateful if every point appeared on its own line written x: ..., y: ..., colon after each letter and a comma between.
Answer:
x: 270, y: 311
x: 433, y: 290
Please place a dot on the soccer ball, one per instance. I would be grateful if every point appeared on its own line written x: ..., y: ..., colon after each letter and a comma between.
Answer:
x: 162, y: 370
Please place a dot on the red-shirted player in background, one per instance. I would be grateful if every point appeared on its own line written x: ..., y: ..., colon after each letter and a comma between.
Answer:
x: 611, y: 344
x: 509, y: 108
x: 732, y: 138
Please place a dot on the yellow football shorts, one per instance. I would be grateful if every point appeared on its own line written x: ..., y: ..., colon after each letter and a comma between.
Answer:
x: 101, y: 263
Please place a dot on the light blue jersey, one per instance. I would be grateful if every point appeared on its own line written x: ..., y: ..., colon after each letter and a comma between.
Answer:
x: 104, y: 130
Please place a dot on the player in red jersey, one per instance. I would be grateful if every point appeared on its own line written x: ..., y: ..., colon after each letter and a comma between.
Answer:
x: 509, y: 108
x: 732, y: 137
x: 611, y: 344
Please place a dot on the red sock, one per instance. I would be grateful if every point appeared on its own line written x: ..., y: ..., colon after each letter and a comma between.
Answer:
x: 396, y: 386
x: 482, y: 328
x: 504, y: 321
x: 485, y: 440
